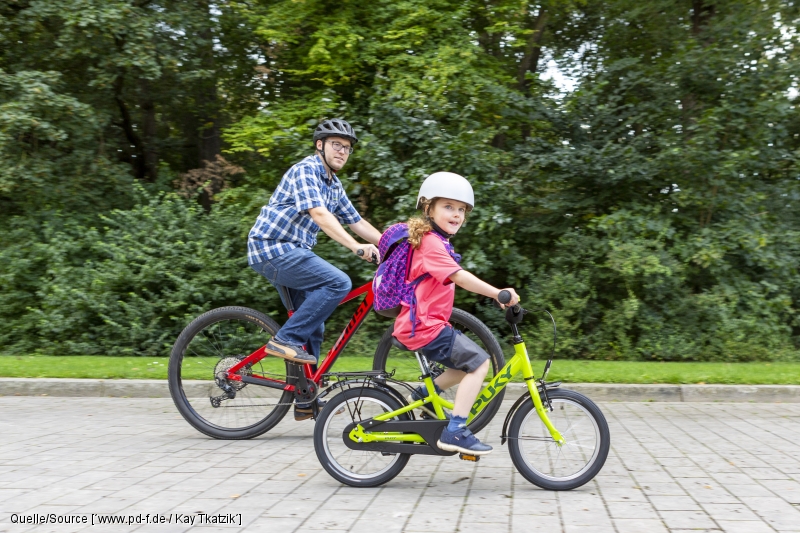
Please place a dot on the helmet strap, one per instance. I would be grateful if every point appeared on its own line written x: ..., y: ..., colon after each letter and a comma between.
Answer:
x: 328, y: 167
x: 429, y: 219
x: 439, y: 230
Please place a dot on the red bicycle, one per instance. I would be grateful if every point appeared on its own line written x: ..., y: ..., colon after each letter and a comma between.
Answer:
x: 227, y: 387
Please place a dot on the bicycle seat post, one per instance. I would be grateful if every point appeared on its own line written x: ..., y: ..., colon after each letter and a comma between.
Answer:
x: 423, y: 365
x: 287, y: 298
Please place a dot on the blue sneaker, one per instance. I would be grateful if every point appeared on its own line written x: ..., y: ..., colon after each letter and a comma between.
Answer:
x: 462, y: 440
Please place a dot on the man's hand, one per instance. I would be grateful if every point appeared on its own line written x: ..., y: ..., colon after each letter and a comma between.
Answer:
x: 367, y: 252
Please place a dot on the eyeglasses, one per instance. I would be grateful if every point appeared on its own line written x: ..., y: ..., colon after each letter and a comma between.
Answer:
x: 339, y: 147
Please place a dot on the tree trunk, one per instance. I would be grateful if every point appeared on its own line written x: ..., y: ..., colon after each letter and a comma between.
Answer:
x: 150, y: 132
x: 530, y: 61
x: 137, y: 158
x: 702, y: 11
x: 210, y: 143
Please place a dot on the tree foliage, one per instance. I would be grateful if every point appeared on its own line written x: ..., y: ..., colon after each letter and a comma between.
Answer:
x: 652, y: 206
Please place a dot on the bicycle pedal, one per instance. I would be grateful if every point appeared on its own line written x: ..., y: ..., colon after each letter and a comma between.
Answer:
x: 473, y: 458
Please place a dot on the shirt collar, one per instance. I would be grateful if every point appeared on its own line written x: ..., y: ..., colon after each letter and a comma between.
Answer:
x: 323, y: 173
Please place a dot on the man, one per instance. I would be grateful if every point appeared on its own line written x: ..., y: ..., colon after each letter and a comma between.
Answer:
x: 309, y: 197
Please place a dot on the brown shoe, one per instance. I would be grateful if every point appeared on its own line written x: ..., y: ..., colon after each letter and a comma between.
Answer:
x: 295, y: 354
x: 305, y: 412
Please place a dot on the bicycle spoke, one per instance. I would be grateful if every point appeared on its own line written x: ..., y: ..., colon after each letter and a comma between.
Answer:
x: 550, y: 460
x: 219, y: 346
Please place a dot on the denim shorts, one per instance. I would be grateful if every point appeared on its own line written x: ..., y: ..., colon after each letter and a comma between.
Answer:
x: 455, y: 350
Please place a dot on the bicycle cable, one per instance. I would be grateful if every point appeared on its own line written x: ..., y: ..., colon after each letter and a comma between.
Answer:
x: 555, y: 334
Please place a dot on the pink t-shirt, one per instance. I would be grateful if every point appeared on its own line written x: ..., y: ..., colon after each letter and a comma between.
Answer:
x: 435, y: 294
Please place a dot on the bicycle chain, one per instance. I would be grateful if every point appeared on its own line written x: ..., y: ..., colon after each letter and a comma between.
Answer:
x: 288, y: 378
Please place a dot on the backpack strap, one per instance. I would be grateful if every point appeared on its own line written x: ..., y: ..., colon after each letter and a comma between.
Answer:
x: 413, y: 305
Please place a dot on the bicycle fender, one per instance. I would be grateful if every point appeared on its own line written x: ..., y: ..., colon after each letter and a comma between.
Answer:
x: 374, y: 385
x: 510, y: 415
x: 520, y: 400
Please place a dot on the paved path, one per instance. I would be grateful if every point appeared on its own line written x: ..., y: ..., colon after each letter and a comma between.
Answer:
x: 600, y: 392
x: 673, y: 467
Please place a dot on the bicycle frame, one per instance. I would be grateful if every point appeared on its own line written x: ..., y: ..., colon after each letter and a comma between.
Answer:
x: 361, y: 313
x: 520, y: 363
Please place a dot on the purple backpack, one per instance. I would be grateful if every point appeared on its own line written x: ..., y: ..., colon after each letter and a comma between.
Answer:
x: 390, y: 285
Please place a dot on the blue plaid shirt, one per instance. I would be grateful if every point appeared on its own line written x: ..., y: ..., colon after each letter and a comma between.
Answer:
x: 285, y: 224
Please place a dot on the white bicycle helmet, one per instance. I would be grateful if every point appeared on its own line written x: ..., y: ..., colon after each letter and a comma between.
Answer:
x: 446, y: 185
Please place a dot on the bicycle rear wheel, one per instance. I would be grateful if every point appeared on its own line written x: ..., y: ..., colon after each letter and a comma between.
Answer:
x: 348, y: 466
x: 404, y: 363
x: 546, y: 464
x: 211, y: 344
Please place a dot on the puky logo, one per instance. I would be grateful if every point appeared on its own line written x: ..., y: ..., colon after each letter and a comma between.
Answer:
x: 499, y: 381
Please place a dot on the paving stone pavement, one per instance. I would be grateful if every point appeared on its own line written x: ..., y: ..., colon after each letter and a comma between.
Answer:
x: 673, y: 467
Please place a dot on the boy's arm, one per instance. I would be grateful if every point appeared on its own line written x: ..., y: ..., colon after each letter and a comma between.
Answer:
x: 472, y: 283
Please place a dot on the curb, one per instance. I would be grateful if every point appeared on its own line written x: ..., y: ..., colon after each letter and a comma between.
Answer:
x: 601, y: 392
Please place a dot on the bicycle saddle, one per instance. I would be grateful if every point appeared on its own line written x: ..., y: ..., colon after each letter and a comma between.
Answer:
x: 399, y: 345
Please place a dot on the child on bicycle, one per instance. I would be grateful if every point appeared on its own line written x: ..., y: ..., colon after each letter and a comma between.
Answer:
x: 445, y: 199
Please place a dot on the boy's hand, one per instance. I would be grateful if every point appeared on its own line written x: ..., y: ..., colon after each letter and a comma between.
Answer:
x: 514, y: 298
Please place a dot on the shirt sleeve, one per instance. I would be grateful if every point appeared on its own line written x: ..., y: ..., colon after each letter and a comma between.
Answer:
x: 436, y: 261
x: 306, y: 190
x: 345, y: 211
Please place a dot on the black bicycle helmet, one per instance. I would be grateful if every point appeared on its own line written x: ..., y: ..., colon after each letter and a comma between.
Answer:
x: 335, y: 127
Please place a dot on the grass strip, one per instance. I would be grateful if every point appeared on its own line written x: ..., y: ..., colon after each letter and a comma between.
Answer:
x: 103, y: 367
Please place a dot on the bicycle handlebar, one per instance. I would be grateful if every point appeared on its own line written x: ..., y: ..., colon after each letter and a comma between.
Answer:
x: 373, y: 259
x: 504, y: 297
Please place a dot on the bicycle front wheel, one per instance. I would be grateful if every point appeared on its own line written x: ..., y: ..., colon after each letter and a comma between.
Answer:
x: 209, y: 346
x: 353, y: 467
x: 541, y: 460
x: 404, y: 363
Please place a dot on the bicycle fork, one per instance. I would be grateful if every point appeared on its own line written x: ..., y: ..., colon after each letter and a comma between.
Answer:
x: 520, y: 363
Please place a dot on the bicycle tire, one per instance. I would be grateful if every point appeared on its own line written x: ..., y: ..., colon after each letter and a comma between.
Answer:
x: 346, y: 407
x: 203, y: 343
x: 533, y: 450
x: 386, y: 355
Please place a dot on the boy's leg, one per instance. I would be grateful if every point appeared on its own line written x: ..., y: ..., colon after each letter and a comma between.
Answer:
x: 470, y: 358
x: 468, y: 390
x: 449, y: 377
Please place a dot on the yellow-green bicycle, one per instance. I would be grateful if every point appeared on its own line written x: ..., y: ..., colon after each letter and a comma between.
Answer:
x: 558, y: 439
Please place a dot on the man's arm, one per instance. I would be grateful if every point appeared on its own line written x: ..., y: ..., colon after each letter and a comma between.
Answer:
x: 333, y: 229
x: 366, y: 231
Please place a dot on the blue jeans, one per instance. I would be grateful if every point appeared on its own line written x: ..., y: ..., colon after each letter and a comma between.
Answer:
x: 316, y: 288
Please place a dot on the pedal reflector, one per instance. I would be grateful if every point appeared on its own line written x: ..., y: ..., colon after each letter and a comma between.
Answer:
x: 465, y: 457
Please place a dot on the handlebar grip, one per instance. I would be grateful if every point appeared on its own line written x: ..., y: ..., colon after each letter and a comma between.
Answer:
x: 504, y: 297
x: 360, y: 252
x: 374, y: 259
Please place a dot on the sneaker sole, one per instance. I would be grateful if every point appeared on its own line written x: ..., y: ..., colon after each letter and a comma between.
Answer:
x: 290, y: 358
x: 454, y: 448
